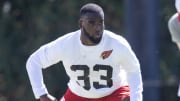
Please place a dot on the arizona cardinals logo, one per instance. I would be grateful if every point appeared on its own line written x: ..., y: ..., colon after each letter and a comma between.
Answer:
x: 106, y: 54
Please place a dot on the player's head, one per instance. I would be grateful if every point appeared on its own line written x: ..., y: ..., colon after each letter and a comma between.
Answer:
x: 91, y: 22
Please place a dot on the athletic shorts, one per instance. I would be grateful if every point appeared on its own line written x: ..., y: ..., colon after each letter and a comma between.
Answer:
x: 121, y: 94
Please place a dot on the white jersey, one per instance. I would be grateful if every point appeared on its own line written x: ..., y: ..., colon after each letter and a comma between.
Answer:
x: 94, y: 71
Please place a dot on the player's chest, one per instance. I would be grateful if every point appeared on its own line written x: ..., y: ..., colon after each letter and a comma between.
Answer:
x: 90, y: 57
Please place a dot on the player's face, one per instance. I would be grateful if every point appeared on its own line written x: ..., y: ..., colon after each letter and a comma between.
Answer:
x: 92, y: 26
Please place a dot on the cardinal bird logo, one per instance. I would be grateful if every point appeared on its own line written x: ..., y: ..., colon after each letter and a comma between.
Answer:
x: 106, y: 54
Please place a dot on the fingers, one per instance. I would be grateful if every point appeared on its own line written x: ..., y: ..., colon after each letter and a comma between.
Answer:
x: 55, y: 100
x: 47, y: 97
x: 52, y: 98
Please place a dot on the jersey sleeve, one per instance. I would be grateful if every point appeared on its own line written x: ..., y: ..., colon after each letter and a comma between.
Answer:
x: 174, y: 28
x: 129, y: 60
x: 42, y: 58
x: 132, y: 67
x: 179, y: 91
x: 177, y: 5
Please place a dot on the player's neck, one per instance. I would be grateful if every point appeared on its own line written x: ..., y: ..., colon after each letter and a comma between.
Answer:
x: 86, y: 41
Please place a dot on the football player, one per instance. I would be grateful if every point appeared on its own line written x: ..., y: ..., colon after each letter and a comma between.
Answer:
x: 100, y: 64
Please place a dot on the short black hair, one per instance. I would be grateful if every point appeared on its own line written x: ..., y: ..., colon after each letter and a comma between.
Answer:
x: 91, y: 8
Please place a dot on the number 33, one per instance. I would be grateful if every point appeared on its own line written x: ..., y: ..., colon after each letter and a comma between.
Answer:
x: 86, y: 79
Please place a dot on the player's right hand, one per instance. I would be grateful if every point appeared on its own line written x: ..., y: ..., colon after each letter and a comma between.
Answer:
x: 47, y: 97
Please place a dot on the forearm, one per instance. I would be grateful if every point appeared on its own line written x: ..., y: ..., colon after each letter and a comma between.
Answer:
x: 34, y: 71
x: 135, y: 83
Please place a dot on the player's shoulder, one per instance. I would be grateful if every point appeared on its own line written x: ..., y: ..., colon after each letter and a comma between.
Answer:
x: 64, y: 39
x: 68, y: 36
x: 113, y: 35
x: 116, y: 38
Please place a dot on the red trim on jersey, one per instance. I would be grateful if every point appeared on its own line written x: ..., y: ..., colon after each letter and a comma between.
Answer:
x: 118, y: 95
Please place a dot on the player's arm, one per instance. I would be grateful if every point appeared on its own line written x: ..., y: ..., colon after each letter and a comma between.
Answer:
x: 134, y: 78
x: 47, y: 97
x: 42, y: 58
x: 179, y: 91
x: 178, y: 45
x: 177, y: 5
x: 174, y: 29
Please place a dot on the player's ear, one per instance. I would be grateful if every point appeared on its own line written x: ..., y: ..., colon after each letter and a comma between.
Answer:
x: 80, y: 23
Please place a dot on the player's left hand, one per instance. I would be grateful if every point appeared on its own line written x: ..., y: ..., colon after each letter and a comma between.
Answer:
x: 47, y: 97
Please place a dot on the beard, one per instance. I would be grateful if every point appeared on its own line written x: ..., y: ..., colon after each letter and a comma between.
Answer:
x: 92, y: 39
